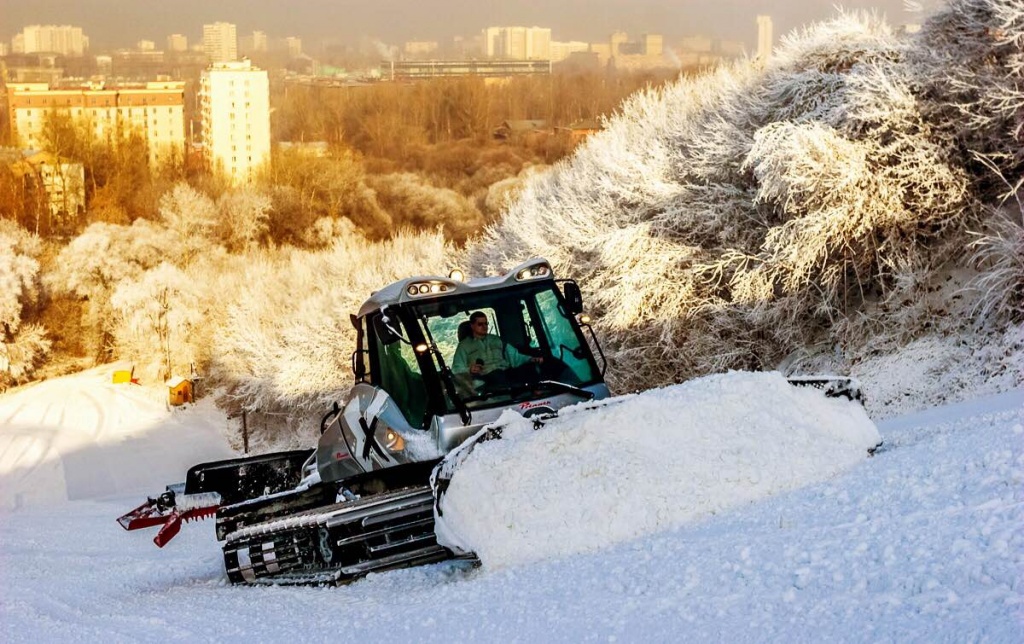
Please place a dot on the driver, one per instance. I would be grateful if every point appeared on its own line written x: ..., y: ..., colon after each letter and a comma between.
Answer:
x: 483, y: 357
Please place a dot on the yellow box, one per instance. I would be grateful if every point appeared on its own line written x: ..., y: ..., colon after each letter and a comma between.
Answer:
x: 121, y: 376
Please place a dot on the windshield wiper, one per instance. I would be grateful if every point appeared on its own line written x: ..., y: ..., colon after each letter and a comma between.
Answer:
x: 564, y: 388
x: 447, y: 379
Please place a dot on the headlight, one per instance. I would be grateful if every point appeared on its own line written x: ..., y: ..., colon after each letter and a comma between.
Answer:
x: 394, y: 441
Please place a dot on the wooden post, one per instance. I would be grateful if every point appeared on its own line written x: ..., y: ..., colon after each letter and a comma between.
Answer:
x: 245, y: 434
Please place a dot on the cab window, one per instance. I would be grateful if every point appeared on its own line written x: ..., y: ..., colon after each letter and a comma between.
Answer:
x: 397, y: 372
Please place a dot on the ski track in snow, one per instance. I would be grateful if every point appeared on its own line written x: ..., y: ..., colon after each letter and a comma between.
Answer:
x: 920, y: 543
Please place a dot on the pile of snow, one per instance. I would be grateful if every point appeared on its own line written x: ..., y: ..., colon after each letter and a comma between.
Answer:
x: 645, y: 463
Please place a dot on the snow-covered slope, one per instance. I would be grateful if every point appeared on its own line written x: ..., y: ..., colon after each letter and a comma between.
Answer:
x: 84, y: 437
x: 920, y: 543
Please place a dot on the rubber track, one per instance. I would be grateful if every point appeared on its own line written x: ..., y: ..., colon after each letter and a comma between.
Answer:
x: 289, y: 550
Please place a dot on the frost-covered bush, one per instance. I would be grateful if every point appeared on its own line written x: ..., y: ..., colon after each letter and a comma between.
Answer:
x: 969, y: 61
x: 732, y: 219
x: 22, y: 346
x: 414, y: 203
x: 999, y: 255
x: 286, y: 339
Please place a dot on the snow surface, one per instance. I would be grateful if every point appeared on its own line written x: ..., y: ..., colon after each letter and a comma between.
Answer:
x: 922, y: 542
x: 645, y: 463
x: 84, y: 437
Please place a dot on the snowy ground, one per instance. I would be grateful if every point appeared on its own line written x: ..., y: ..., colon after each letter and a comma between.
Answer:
x: 920, y: 543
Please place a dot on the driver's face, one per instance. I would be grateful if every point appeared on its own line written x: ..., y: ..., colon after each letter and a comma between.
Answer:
x: 479, y: 327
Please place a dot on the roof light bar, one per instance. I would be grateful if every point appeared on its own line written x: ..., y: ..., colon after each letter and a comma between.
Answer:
x: 433, y: 287
x: 536, y: 271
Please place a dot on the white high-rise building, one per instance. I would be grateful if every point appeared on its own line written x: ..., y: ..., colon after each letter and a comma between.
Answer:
x: 517, y: 43
x: 764, y: 37
x: 294, y: 46
x: 220, y: 42
x: 259, y: 41
x: 235, y: 110
x: 54, y: 39
x: 177, y: 43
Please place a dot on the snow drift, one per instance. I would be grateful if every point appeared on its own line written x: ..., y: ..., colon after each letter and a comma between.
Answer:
x: 645, y: 463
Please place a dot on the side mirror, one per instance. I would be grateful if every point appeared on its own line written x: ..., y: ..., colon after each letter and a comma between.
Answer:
x: 573, y: 298
x: 385, y: 332
x: 358, y: 366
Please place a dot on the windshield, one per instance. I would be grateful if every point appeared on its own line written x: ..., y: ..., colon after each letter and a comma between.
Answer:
x: 501, y: 346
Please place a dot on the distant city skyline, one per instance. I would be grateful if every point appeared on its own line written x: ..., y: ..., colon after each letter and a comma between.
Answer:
x: 111, y: 24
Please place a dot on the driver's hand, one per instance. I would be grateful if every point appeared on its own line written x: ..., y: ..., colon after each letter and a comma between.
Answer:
x: 476, y: 369
x: 537, y: 360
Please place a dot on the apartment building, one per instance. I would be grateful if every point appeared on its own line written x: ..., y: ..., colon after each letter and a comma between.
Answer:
x: 53, y: 39
x: 646, y: 53
x: 220, y: 42
x: 562, y: 50
x: 235, y: 111
x: 293, y: 45
x: 154, y: 110
x: 517, y: 43
x: 177, y: 43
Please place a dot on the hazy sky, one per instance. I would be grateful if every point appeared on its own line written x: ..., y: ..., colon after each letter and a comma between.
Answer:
x: 121, y: 23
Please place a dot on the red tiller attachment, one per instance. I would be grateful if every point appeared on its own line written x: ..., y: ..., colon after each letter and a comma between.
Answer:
x: 163, y: 512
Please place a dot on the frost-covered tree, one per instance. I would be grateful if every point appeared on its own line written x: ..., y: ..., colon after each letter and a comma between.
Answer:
x: 729, y: 220
x: 243, y: 218
x: 156, y: 312
x: 95, y: 262
x: 22, y: 346
x: 307, y: 188
x: 192, y: 217
x: 285, y: 339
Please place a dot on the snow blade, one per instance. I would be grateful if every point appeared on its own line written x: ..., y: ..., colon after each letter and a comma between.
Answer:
x: 832, y: 386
